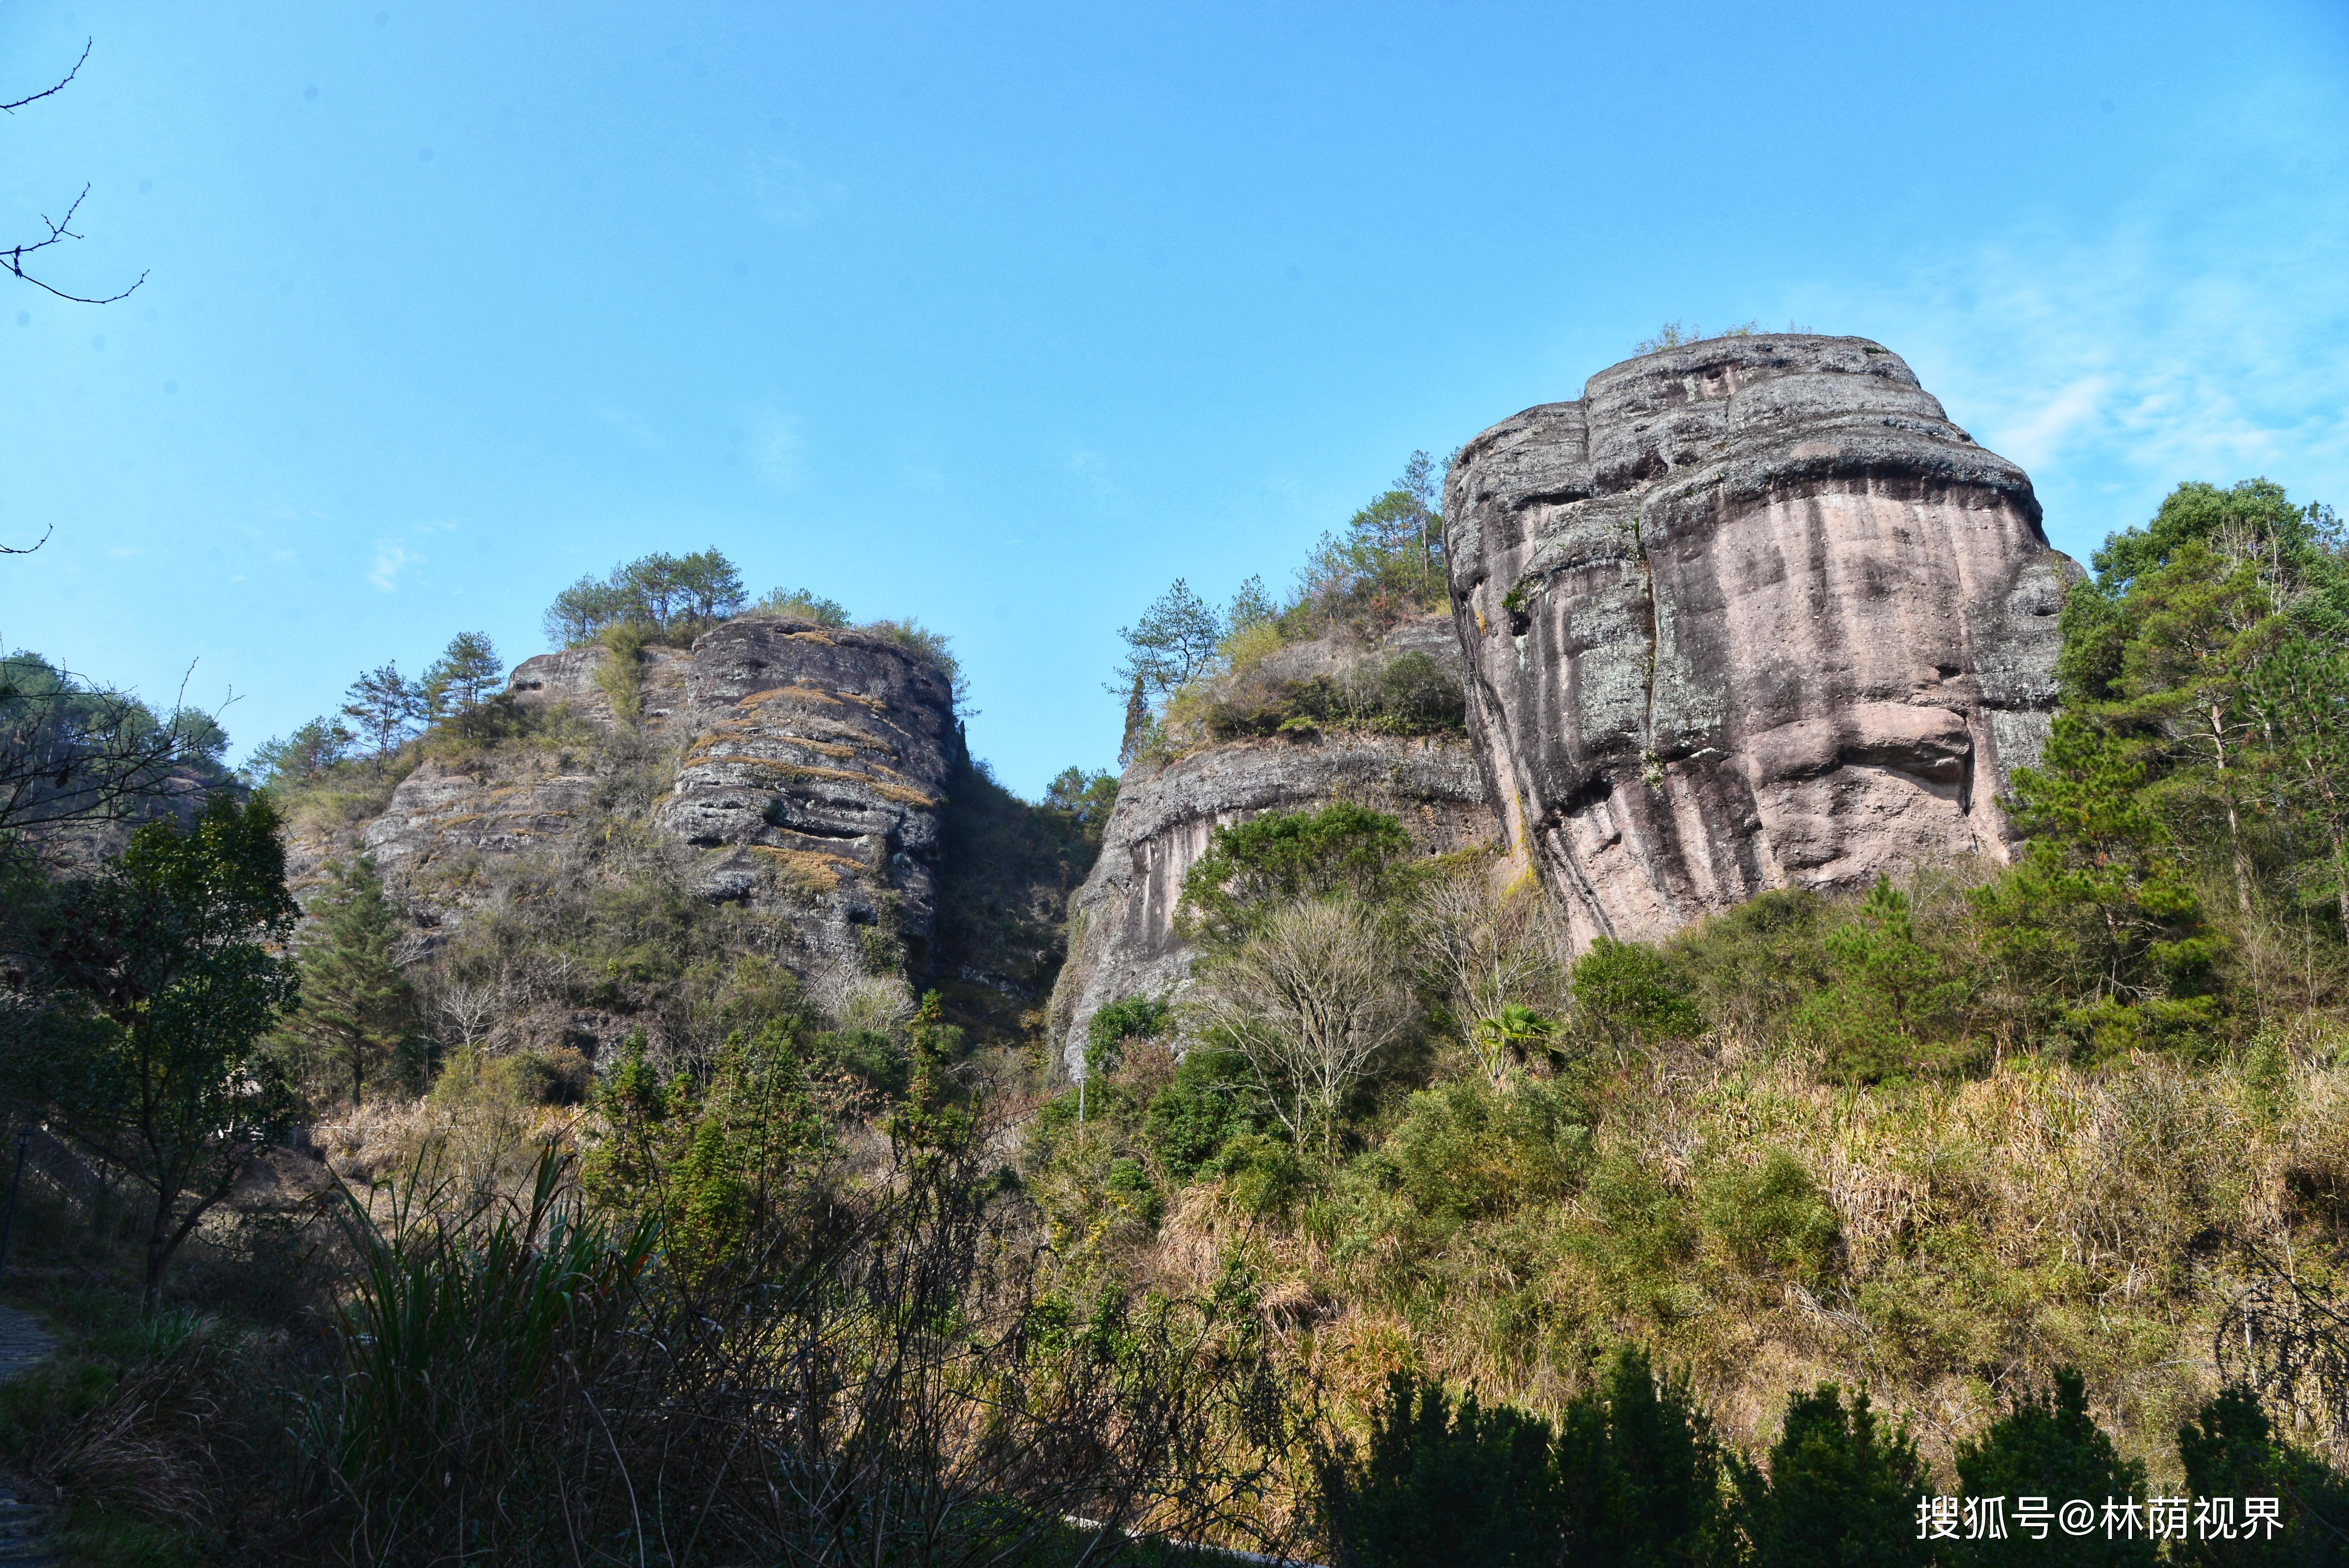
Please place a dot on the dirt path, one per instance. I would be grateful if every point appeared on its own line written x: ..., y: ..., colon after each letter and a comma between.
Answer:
x: 23, y: 1342
x: 24, y: 1540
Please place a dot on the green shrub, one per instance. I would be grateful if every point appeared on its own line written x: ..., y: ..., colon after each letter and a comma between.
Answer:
x: 866, y: 1060
x: 1641, y: 1473
x: 1410, y: 694
x: 1262, y: 1174
x: 802, y: 603
x: 1632, y: 1477
x: 1279, y: 857
x: 1643, y: 1239
x: 1443, y: 1484
x: 619, y: 674
x: 1466, y: 1151
x: 1212, y: 1101
x: 1754, y: 967
x: 1892, y: 1006
x: 2052, y: 1447
x: 1626, y: 991
x: 1769, y: 1215
x: 1129, y: 1188
x: 1127, y: 1018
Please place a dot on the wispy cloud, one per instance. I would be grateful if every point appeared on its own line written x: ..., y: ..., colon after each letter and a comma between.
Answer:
x: 773, y: 446
x: 1091, y: 471
x: 2115, y: 365
x: 784, y: 193
x: 393, y: 560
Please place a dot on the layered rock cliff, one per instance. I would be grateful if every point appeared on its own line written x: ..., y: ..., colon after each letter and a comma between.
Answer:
x: 1750, y: 613
x: 803, y: 768
x: 818, y: 770
x: 1123, y: 941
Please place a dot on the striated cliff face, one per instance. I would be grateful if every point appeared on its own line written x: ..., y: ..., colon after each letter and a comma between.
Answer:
x: 805, y: 770
x: 1751, y: 613
x: 819, y: 766
x: 1121, y: 939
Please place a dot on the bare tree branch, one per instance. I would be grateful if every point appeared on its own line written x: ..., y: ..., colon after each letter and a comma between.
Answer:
x: 20, y: 103
x: 15, y: 257
x: 60, y: 228
x: 73, y: 751
x: 28, y: 549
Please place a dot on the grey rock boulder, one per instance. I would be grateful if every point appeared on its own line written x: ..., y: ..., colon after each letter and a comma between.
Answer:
x: 1752, y: 613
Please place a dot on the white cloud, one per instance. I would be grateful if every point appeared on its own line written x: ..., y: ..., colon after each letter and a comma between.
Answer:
x: 391, y: 560
x: 2115, y: 364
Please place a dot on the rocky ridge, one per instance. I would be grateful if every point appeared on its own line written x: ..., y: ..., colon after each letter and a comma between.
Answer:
x: 810, y: 772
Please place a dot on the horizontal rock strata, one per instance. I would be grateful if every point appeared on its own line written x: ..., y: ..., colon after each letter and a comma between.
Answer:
x: 1751, y: 613
x: 1123, y: 941
x: 818, y: 761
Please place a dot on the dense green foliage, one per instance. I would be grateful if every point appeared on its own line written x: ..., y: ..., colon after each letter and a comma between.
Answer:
x: 2051, y: 1447
x: 154, y: 982
x: 1253, y: 867
x: 359, y: 1019
x: 1632, y: 1474
x: 671, y: 597
x: 2229, y: 1450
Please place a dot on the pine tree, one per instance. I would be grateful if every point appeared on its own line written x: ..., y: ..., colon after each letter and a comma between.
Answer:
x: 463, y: 679
x: 385, y: 705
x: 2098, y: 922
x: 1891, y: 994
x: 359, y: 1010
x: 1842, y: 1488
x: 2054, y: 1446
x: 1137, y: 722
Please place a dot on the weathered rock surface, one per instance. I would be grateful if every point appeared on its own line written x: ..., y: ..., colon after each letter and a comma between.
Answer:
x: 820, y: 762
x: 1123, y: 941
x: 569, y: 679
x: 441, y: 821
x: 811, y: 767
x: 1752, y: 613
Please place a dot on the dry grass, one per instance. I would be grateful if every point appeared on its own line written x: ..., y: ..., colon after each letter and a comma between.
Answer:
x: 1987, y: 1232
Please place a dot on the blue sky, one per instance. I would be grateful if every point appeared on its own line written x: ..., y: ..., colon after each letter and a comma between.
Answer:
x: 1003, y: 317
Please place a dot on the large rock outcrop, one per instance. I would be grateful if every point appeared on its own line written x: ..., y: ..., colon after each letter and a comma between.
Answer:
x: 819, y: 767
x: 810, y: 773
x: 1751, y: 613
x: 1123, y: 941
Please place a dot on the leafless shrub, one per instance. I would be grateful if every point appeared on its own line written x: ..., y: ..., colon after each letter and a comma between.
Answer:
x: 1309, y: 999
x: 2287, y: 1339
x: 1487, y: 952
